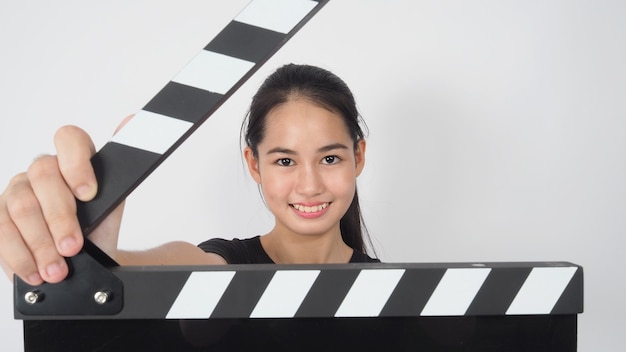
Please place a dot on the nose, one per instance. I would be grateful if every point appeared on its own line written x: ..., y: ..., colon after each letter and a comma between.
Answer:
x: 309, y: 181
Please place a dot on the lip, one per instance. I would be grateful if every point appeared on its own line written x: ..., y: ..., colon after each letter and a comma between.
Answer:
x: 310, y: 215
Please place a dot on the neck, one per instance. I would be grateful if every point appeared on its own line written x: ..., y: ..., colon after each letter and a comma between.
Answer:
x: 288, y: 248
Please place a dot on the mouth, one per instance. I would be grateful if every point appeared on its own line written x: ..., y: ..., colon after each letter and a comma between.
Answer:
x: 310, y: 209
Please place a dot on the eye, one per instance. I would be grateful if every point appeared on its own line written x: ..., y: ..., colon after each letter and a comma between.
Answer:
x: 284, y: 162
x: 330, y: 159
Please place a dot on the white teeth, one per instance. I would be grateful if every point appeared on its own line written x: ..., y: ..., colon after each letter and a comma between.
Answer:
x: 312, y: 209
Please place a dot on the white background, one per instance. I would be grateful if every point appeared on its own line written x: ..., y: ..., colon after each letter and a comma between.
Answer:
x: 496, y: 127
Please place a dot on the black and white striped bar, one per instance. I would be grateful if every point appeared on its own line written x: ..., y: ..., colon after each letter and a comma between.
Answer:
x: 214, y: 74
x: 381, y: 291
x: 345, y: 291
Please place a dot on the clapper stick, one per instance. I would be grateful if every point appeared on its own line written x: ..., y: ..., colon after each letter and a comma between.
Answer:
x: 195, y: 93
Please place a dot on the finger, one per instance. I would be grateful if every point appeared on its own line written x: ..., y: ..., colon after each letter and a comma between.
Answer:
x: 123, y: 123
x: 27, y: 247
x: 57, y: 206
x: 18, y: 258
x: 74, y: 151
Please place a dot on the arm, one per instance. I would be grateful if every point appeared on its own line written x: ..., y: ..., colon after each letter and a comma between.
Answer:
x: 172, y: 253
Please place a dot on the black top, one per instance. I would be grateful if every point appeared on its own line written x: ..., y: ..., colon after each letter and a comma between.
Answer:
x: 250, y: 251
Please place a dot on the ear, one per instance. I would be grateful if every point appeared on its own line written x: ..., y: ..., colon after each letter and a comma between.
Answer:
x: 359, y: 155
x: 253, y: 164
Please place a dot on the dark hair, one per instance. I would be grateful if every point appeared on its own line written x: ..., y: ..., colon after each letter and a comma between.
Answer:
x: 322, y: 88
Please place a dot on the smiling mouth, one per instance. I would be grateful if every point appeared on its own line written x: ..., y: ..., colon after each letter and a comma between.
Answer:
x: 310, y: 209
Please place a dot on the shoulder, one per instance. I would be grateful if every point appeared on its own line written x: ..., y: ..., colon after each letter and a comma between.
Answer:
x: 237, y: 251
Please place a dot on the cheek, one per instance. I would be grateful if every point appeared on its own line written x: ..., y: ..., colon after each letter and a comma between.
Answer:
x: 275, y: 187
x: 342, y: 184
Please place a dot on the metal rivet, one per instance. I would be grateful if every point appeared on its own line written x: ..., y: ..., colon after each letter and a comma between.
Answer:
x: 32, y: 297
x: 101, y: 297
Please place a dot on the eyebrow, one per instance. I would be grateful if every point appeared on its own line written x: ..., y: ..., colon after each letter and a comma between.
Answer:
x: 323, y: 149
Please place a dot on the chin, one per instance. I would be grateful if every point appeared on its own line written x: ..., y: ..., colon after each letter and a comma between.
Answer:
x: 313, y: 231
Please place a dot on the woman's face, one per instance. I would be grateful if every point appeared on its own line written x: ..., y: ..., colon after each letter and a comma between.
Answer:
x: 307, y: 168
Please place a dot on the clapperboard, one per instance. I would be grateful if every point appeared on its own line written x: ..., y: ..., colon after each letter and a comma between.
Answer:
x: 102, y: 306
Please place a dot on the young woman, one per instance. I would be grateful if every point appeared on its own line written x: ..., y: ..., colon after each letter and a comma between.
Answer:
x: 304, y: 147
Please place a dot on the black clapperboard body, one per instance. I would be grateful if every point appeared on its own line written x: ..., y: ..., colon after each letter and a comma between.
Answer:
x: 376, y: 306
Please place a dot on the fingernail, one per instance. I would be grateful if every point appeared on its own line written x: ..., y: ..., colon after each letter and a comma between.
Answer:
x: 84, y: 192
x: 34, y: 279
x: 67, y: 245
x: 54, y: 270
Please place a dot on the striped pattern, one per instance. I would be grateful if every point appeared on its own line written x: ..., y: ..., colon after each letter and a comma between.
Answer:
x: 200, y: 295
x: 455, y: 292
x: 164, y: 131
x: 384, y: 291
x: 541, y: 290
x: 213, y: 72
x: 283, y: 295
x: 369, y: 293
x: 276, y: 15
x: 190, y: 98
